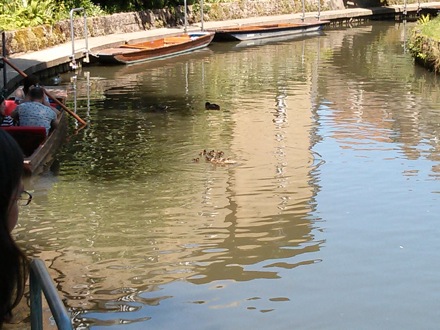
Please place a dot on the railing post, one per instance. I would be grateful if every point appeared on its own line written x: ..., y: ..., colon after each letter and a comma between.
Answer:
x: 72, y: 36
x: 201, y: 14
x: 319, y: 10
x: 303, y: 17
x: 186, y: 18
x: 40, y: 280
x: 86, y: 38
x: 35, y: 302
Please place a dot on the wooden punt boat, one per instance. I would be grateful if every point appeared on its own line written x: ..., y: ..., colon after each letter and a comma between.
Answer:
x: 253, y: 32
x: 267, y: 41
x: 38, y: 149
x: 155, y: 49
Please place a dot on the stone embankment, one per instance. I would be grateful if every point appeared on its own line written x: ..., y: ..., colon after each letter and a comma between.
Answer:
x: 41, y: 37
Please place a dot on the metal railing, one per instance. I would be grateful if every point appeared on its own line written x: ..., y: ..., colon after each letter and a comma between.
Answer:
x: 40, y: 280
x: 73, y: 64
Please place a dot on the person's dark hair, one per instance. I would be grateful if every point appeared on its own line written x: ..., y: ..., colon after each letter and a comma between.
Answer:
x: 29, y: 81
x: 13, y: 262
x: 36, y: 93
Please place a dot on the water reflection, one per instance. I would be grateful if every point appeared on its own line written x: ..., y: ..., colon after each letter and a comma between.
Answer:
x: 325, y: 131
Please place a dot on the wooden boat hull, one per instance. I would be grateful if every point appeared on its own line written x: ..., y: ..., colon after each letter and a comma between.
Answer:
x: 253, y: 32
x: 36, y: 158
x: 43, y: 154
x: 278, y: 39
x: 155, y: 49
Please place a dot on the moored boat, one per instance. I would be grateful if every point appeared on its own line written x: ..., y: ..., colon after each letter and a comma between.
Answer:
x: 266, y: 41
x: 263, y: 31
x: 155, y: 49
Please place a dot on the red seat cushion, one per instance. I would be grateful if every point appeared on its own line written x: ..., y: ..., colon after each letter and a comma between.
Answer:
x: 10, y: 106
x: 28, y: 137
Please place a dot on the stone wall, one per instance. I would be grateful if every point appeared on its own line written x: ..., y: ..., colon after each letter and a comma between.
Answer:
x: 37, y: 38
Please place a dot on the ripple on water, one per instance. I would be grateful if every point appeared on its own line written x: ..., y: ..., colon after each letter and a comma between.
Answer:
x: 335, y: 140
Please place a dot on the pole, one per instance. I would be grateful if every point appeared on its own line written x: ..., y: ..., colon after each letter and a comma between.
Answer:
x: 201, y: 14
x: 5, y: 78
x: 319, y: 10
x: 24, y: 75
x: 186, y: 19
x: 304, y: 10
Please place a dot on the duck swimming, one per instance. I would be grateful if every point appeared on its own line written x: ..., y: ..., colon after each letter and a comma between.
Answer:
x: 158, y: 108
x: 211, y: 106
x: 215, y: 157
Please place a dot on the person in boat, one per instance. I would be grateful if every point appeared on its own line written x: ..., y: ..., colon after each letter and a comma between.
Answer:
x: 22, y: 94
x: 35, y: 112
x: 5, y: 118
x: 14, y: 264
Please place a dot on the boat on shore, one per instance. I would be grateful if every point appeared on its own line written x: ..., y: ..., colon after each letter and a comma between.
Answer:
x: 264, y: 31
x: 38, y: 149
x: 155, y: 49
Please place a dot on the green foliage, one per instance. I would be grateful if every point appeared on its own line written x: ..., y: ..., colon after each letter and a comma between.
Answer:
x: 27, y: 13
x: 90, y: 8
x: 424, y: 42
x: 16, y: 14
x: 424, y: 19
x: 138, y: 5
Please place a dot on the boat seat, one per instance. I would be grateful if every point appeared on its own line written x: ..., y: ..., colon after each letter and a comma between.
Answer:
x: 176, y: 40
x: 135, y: 47
x: 28, y: 137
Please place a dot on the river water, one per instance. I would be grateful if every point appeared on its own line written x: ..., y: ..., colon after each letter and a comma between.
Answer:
x: 328, y: 219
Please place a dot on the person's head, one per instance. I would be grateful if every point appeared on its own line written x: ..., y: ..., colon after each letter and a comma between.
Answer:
x: 11, y: 171
x: 13, y: 263
x: 36, y: 93
x: 29, y: 81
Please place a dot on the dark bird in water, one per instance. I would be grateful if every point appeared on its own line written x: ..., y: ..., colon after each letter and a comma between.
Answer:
x: 158, y: 108
x: 211, y: 106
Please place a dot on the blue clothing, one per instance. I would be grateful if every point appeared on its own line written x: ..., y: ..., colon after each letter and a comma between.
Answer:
x: 35, y: 114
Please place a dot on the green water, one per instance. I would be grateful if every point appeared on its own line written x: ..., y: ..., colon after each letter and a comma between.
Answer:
x: 328, y: 219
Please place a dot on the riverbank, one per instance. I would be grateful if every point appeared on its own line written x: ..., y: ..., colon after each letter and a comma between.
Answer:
x: 424, y: 43
x: 43, y: 36
x: 58, y: 59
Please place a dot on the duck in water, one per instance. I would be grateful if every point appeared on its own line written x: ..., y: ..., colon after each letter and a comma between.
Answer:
x: 214, y: 157
x: 211, y: 106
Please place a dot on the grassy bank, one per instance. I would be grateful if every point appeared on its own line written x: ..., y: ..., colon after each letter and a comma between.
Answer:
x: 424, y: 42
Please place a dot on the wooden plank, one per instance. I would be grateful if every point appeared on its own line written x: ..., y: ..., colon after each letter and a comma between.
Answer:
x: 176, y: 40
x: 136, y: 47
